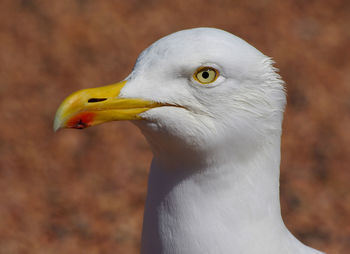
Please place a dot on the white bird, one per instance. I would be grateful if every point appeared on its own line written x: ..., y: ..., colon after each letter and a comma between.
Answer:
x: 211, y: 107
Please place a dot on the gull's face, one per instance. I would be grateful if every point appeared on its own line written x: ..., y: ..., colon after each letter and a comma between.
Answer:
x: 196, y: 87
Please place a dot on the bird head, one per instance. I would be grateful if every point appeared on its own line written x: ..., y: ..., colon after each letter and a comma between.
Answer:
x: 192, y: 90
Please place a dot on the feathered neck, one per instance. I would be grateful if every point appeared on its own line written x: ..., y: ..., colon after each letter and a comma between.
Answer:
x: 220, y: 208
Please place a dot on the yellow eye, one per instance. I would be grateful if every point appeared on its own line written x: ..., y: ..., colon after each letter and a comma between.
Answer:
x: 206, y: 75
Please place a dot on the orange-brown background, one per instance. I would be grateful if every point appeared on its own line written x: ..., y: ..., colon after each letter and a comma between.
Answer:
x: 84, y: 191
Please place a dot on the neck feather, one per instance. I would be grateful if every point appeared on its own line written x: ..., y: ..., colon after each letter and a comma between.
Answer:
x: 224, y: 204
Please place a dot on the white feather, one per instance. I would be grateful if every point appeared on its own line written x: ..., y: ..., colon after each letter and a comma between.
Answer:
x: 214, y: 180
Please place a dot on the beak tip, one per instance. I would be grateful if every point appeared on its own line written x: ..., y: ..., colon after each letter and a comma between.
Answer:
x: 55, y: 128
x: 57, y: 124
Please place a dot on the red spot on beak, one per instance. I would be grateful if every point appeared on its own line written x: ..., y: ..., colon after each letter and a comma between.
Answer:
x: 81, y: 121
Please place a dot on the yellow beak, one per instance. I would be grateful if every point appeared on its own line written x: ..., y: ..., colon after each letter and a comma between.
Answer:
x: 89, y: 107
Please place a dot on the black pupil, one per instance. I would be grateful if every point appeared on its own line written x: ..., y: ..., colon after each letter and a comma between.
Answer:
x: 205, y: 74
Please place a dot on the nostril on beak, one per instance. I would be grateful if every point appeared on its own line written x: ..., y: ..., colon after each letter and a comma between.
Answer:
x: 92, y: 100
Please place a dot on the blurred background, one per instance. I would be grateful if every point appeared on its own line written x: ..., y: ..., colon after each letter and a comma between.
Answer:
x: 84, y: 191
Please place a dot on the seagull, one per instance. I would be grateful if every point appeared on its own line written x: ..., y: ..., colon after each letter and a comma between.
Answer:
x: 211, y: 107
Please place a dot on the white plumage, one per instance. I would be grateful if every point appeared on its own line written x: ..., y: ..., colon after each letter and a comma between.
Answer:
x: 214, y: 180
